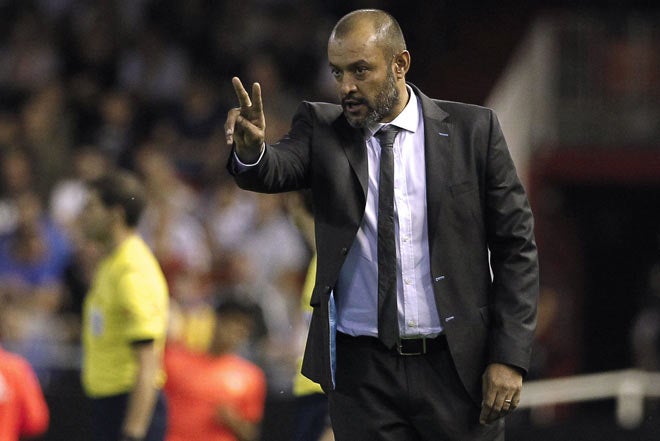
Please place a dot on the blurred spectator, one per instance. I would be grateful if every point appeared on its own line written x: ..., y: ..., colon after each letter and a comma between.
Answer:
x: 191, y: 325
x: 281, y: 102
x: 116, y: 134
x: 216, y: 395
x: 23, y: 408
x: 91, y: 38
x: 191, y: 320
x: 275, y: 247
x: 200, y: 113
x: 154, y: 68
x: 269, y: 273
x: 198, y: 121
x: 169, y: 224
x: 16, y: 177
x: 229, y: 216
x: 30, y: 58
x: 275, y: 261
x: 47, y: 133
x: 277, y: 351
x: 69, y: 195
x: 9, y: 129
x: 272, y: 260
x: 33, y: 258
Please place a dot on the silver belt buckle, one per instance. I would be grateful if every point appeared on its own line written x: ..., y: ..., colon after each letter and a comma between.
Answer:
x: 401, y: 351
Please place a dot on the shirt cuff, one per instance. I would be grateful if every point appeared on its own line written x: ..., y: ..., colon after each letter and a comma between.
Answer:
x: 240, y: 166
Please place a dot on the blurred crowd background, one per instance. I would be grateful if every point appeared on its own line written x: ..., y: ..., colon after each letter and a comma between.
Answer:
x: 87, y: 87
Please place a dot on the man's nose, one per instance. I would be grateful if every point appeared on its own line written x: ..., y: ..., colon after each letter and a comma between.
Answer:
x: 347, y: 86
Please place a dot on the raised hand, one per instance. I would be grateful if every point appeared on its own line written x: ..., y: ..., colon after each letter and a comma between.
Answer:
x: 246, y: 125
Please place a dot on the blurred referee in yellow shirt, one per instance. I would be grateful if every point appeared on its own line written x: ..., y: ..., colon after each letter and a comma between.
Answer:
x: 124, y: 318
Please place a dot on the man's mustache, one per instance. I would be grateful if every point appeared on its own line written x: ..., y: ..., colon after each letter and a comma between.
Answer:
x: 352, y: 100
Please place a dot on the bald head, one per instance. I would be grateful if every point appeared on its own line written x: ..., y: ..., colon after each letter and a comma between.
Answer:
x: 379, y: 24
x: 369, y: 61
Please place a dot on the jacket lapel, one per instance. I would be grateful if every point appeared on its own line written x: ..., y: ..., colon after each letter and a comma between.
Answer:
x: 437, y: 149
x: 352, y: 141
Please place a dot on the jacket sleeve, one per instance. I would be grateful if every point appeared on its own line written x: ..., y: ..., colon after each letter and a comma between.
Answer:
x: 514, y: 260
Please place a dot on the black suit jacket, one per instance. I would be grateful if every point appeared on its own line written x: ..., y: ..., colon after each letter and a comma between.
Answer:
x: 475, y: 202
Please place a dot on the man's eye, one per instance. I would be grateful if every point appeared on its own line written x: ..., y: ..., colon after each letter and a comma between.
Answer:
x: 360, y: 70
x: 335, y: 73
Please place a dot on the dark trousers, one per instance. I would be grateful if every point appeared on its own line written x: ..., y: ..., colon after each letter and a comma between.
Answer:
x: 311, y: 417
x: 383, y: 396
x: 108, y: 415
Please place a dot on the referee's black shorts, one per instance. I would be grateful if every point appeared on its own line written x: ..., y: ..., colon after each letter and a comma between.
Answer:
x: 108, y: 415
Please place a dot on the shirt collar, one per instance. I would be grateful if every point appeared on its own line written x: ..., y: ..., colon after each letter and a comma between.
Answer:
x: 408, y: 119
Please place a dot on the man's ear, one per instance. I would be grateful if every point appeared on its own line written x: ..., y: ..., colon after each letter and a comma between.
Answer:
x: 401, y: 64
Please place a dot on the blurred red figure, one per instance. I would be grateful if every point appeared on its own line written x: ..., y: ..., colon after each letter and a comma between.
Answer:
x: 216, y: 395
x: 23, y: 409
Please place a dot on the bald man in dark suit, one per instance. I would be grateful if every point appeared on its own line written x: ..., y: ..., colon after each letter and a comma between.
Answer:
x: 449, y: 362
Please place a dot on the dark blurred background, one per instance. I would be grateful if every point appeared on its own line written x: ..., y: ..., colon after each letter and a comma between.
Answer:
x: 87, y: 86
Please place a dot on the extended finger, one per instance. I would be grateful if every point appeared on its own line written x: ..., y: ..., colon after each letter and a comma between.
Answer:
x: 257, y: 104
x: 241, y: 93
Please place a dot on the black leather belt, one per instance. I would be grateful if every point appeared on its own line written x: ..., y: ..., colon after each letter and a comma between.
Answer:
x: 405, y: 346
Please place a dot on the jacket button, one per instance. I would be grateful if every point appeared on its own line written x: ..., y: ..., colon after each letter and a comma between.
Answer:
x: 327, y: 289
x: 344, y: 251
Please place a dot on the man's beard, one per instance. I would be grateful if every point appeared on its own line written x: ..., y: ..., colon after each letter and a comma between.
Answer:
x: 385, y: 101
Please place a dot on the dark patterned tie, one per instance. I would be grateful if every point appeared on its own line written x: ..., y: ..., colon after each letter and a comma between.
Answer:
x: 388, y: 325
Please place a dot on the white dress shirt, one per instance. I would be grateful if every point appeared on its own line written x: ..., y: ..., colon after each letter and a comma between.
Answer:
x: 357, y: 288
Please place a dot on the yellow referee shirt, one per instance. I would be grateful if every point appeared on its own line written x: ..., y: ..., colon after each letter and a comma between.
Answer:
x: 127, y: 302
